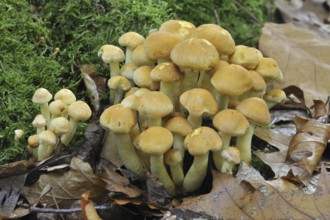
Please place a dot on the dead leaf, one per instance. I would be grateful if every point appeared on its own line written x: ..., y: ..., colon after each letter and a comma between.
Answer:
x: 118, y: 183
x: 320, y: 111
x: 257, y: 199
x: 66, y: 186
x: 303, y: 57
x: 307, y: 146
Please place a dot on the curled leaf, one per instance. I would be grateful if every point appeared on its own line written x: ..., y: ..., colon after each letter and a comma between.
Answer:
x: 307, y: 146
x: 88, y: 209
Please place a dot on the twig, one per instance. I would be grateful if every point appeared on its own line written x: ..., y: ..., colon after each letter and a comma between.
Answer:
x: 247, y: 11
x: 50, y: 210
x: 217, y: 17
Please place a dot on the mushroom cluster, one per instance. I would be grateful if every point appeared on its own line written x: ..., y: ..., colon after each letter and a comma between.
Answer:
x: 57, y: 122
x: 185, y: 90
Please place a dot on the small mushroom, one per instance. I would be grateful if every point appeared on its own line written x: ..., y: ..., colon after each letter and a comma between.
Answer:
x: 155, y: 141
x: 39, y: 122
x: 78, y: 111
x: 269, y: 70
x: 180, y: 27
x: 47, y: 143
x: 180, y: 128
x: 142, y: 78
x: 118, y: 85
x: 231, y: 156
x: 66, y: 95
x: 154, y: 105
x: 194, y: 57
x: 230, y: 123
x: 173, y: 159
x: 33, y: 143
x: 41, y: 97
x: 245, y: 56
x: 60, y: 126
x: 168, y: 74
x: 230, y: 81
x: 198, y: 102
x: 158, y: 45
x: 274, y: 96
x: 130, y: 40
x: 120, y: 120
x: 112, y: 55
x: 199, y: 143
x: 256, y: 112
x: 58, y: 108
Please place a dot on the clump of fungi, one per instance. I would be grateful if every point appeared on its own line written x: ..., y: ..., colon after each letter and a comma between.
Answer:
x: 198, y: 92
x: 57, y: 122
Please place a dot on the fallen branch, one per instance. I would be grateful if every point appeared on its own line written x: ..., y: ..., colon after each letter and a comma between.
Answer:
x: 51, y: 210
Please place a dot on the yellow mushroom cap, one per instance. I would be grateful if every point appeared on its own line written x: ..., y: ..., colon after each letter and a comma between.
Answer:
x: 47, y: 137
x: 33, y: 141
x: 110, y: 53
x: 231, y: 154
x: 231, y: 122
x: 245, y: 56
x: 275, y: 95
x: 39, y: 121
x: 199, y: 101
x: 231, y: 80
x: 128, y: 70
x: 131, y: 39
x: 58, y: 107
x: 167, y: 72
x: 179, y: 125
x: 66, y: 95
x: 118, y: 119
x: 269, y: 70
x: 139, y: 57
x: 142, y: 78
x: 154, y: 104
x: 79, y: 110
x: 173, y: 157
x: 196, y: 54
x: 60, y: 126
x: 119, y: 82
x: 180, y: 27
x: 202, y: 140
x: 255, y: 110
x: 258, y: 83
x: 159, y: 45
x: 155, y: 140
x: 41, y: 95
x: 218, y: 36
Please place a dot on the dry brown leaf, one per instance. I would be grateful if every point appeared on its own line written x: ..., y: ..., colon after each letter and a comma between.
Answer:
x: 66, y: 186
x: 307, y: 146
x: 118, y: 183
x: 256, y: 199
x: 303, y: 57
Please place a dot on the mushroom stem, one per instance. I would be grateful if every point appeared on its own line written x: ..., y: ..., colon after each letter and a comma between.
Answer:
x: 195, y: 121
x: 44, y: 109
x: 217, y: 158
x: 154, y: 122
x: 201, y: 79
x: 177, y: 174
x: 128, y: 55
x: 66, y: 138
x: 227, y: 167
x: 178, y: 143
x: 189, y: 80
x: 129, y: 156
x: 196, y: 173
x: 158, y: 169
x: 243, y: 143
x: 223, y: 101
x: 114, y: 69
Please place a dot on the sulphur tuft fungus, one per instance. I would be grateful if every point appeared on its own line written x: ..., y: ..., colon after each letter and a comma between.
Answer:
x: 173, y: 159
x: 199, y: 143
x: 78, y: 111
x: 41, y: 97
x: 155, y: 141
x: 256, y: 112
x: 112, y: 55
x: 231, y: 156
x: 120, y: 120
